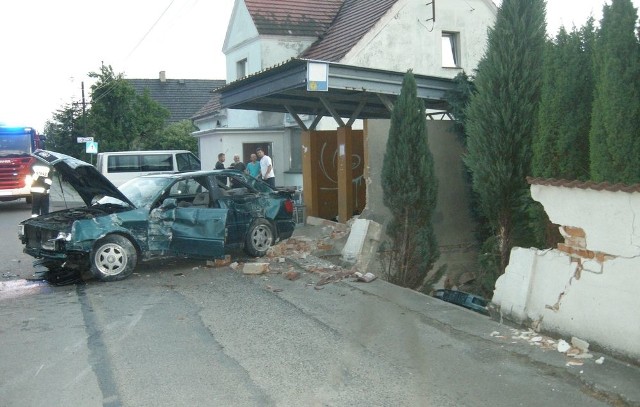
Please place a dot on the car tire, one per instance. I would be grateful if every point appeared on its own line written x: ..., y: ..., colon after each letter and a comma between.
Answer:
x: 113, y: 258
x: 259, y: 238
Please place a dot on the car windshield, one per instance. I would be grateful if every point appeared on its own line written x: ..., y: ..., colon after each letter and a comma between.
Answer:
x: 141, y: 191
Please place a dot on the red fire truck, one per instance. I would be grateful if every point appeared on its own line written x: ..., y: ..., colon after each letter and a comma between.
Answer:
x: 16, y: 146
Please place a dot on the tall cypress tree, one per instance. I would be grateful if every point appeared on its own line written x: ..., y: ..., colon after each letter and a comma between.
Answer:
x: 410, y: 190
x: 501, y: 117
x: 561, y: 141
x: 614, y: 141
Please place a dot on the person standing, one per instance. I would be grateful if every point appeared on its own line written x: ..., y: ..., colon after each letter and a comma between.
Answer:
x: 220, y: 163
x: 237, y: 164
x: 253, y: 167
x: 266, y: 168
x: 40, y: 188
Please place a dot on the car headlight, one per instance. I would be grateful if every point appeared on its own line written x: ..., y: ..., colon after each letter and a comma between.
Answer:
x: 20, y: 230
x: 64, y: 236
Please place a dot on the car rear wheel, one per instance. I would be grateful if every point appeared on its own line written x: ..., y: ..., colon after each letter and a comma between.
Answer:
x: 259, y: 238
x: 113, y: 258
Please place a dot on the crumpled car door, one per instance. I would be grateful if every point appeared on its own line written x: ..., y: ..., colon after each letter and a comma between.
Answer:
x: 192, y: 231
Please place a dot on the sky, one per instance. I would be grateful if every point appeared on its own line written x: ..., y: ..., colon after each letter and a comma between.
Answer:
x: 50, y: 46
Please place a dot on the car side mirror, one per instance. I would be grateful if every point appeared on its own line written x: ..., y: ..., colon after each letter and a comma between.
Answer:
x: 169, y: 203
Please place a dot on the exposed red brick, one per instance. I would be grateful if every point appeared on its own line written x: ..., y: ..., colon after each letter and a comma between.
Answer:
x: 574, y: 231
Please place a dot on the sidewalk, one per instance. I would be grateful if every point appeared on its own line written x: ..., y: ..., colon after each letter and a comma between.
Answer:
x: 613, y: 380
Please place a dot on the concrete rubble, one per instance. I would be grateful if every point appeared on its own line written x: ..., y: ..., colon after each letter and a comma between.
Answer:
x: 325, y: 251
x: 577, y: 350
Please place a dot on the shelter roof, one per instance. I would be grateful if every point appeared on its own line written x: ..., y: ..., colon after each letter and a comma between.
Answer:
x: 352, y: 92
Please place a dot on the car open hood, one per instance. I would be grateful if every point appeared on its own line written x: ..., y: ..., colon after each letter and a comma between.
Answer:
x: 82, y: 176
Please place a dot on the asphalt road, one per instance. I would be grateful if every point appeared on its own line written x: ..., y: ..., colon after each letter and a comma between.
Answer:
x: 177, y: 333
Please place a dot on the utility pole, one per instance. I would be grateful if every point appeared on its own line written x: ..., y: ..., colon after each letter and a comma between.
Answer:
x: 84, y: 120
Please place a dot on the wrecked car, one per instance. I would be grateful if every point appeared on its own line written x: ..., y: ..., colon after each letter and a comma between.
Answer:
x: 199, y: 214
x: 463, y: 299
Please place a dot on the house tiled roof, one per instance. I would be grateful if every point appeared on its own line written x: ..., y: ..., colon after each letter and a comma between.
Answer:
x: 355, y: 19
x: 210, y: 108
x: 598, y: 186
x: 182, y: 97
x: 309, y: 18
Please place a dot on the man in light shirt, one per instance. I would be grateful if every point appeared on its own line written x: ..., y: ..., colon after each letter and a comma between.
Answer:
x: 266, y: 168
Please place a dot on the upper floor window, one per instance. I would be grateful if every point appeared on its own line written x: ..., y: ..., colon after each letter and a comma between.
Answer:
x: 450, y: 50
x: 241, y: 68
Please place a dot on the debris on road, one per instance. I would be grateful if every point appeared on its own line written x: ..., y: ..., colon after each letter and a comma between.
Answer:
x: 366, y: 278
x: 226, y: 261
x: 274, y: 289
x: 255, y: 268
x: 600, y: 360
x: 291, y: 275
x: 563, y: 346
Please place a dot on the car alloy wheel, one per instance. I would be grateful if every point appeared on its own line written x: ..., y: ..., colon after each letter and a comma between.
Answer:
x: 113, y: 258
x: 259, y: 238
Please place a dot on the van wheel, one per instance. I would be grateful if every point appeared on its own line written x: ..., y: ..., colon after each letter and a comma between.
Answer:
x: 259, y: 238
x: 113, y: 258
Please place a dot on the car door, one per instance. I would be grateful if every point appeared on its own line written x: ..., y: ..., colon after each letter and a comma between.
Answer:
x: 241, y: 205
x: 199, y: 231
x: 181, y: 228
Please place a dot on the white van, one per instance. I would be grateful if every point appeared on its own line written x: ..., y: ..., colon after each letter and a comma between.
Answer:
x: 121, y: 166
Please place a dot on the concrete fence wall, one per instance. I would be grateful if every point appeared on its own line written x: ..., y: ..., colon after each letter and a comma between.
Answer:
x: 589, y: 286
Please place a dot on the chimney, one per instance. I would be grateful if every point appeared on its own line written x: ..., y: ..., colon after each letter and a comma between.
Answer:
x: 163, y: 76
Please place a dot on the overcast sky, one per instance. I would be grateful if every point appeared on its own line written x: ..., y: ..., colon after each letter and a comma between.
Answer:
x: 49, y: 46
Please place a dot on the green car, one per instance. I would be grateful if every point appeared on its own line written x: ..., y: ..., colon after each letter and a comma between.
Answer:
x: 199, y: 214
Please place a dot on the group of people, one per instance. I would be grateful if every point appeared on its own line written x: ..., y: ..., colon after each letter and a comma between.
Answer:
x: 261, y: 169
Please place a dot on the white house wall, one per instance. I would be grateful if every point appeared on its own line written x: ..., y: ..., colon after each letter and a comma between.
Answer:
x: 240, y: 29
x: 276, y: 50
x: 403, y: 39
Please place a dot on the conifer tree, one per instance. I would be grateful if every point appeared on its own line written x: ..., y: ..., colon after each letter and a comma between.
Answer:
x: 410, y: 190
x: 614, y: 141
x: 501, y: 117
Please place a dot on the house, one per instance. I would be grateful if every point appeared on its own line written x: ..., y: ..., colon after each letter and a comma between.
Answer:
x: 182, y: 97
x: 439, y: 39
x: 381, y: 37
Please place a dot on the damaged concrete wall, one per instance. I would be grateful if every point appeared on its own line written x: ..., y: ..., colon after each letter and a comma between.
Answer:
x: 588, y: 286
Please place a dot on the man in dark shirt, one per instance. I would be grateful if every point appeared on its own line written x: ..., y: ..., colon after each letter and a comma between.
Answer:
x: 220, y: 163
x: 237, y: 164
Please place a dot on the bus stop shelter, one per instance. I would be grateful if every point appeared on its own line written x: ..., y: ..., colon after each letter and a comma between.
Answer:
x: 326, y: 89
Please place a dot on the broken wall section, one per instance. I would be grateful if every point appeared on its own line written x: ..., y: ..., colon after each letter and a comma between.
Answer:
x: 589, y: 286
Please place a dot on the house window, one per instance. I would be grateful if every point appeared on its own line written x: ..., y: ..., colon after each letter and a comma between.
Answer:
x: 450, y: 50
x: 295, y: 160
x: 241, y: 68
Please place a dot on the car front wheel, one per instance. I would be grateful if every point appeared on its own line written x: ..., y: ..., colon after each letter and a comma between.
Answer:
x: 113, y: 258
x: 259, y: 238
